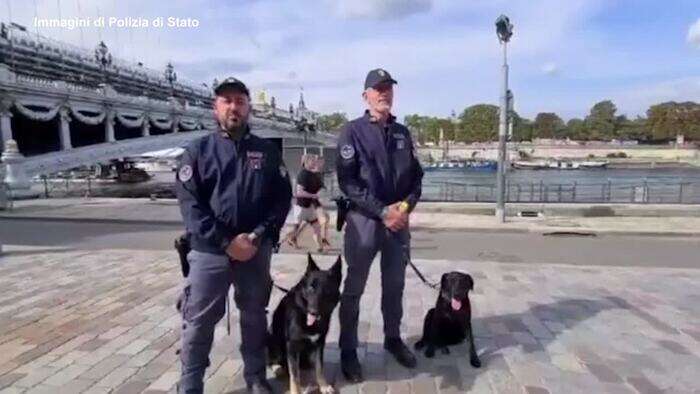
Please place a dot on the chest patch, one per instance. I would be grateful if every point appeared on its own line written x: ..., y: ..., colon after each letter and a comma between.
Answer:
x: 255, y: 160
x: 185, y: 173
x: 347, y: 152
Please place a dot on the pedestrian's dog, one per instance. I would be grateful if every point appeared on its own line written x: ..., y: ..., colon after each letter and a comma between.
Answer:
x: 449, y: 323
x: 300, y: 324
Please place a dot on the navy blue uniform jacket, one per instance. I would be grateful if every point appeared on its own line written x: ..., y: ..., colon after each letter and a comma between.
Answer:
x: 228, y: 187
x: 377, y: 165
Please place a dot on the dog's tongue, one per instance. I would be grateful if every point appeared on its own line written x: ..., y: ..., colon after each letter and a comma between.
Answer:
x: 310, y: 319
x: 456, y: 304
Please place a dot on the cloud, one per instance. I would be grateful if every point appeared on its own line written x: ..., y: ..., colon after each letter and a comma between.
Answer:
x: 381, y: 9
x: 694, y: 34
x: 206, y: 70
x: 444, y: 53
x: 550, y: 69
x: 637, y: 99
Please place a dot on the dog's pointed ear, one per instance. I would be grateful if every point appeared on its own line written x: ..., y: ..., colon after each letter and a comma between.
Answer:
x: 311, y: 265
x: 471, y: 282
x: 337, y: 269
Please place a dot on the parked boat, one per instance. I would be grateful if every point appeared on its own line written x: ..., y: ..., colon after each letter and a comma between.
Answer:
x: 559, y: 165
x: 462, y: 165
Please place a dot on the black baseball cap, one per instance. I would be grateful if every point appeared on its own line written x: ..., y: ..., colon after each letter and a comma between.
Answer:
x: 377, y: 76
x: 231, y: 83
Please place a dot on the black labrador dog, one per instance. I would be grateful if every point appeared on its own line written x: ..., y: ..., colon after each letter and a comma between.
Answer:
x: 449, y: 323
x: 300, y: 324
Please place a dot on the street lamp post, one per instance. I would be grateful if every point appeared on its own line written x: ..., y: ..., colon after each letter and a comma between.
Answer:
x: 504, y: 30
x: 170, y: 76
x: 104, y: 59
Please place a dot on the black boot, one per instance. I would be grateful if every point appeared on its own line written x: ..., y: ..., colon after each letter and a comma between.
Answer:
x: 400, y: 351
x: 350, y: 366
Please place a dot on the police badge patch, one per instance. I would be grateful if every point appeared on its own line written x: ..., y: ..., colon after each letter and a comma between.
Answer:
x: 185, y: 173
x: 347, y: 152
x: 255, y: 160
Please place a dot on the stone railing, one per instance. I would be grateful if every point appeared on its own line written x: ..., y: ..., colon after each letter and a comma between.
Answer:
x: 41, y: 44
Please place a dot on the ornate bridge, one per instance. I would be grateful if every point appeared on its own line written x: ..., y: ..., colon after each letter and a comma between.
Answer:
x: 63, y: 106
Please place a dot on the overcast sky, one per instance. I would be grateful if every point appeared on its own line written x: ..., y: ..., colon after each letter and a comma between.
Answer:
x: 564, y: 56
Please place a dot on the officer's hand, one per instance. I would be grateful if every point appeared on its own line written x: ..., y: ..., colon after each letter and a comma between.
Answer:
x: 404, y: 219
x: 395, y: 220
x: 241, y: 248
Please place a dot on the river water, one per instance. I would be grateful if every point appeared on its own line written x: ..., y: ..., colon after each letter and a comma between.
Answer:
x: 660, y: 185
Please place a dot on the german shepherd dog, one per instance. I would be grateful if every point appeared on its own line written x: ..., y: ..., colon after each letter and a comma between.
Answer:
x: 449, y: 323
x: 300, y: 324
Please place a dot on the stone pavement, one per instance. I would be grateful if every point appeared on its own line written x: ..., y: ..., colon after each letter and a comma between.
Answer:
x: 74, y: 321
x: 651, y: 219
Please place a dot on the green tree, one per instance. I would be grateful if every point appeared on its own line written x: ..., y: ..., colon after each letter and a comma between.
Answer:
x: 414, y: 123
x: 522, y: 128
x: 548, y: 125
x: 576, y: 129
x: 423, y: 128
x: 666, y: 120
x: 636, y: 129
x: 478, y: 123
x: 332, y: 122
x: 602, y: 122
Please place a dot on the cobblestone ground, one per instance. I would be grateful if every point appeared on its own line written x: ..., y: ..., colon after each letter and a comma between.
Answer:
x: 97, y: 322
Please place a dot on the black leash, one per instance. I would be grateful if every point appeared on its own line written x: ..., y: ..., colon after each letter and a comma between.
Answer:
x: 434, y: 286
x: 407, y: 257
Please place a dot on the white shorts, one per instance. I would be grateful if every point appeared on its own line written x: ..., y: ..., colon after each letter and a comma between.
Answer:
x: 302, y: 214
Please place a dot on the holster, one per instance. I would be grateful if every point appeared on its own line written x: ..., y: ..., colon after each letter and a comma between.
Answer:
x: 182, y: 245
x: 344, y: 205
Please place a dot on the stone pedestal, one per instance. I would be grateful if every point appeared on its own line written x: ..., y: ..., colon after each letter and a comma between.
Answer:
x: 109, y: 126
x: 15, y: 180
x: 145, y: 126
x: 64, y: 129
x: 5, y: 121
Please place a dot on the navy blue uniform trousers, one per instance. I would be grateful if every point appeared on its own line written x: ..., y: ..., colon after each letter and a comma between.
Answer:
x: 204, y: 304
x: 364, y: 238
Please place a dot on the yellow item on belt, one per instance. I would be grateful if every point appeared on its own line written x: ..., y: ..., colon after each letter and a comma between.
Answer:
x: 403, y: 207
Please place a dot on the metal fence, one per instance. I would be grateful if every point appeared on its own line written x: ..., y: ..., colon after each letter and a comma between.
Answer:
x: 543, y: 192
x: 643, y: 192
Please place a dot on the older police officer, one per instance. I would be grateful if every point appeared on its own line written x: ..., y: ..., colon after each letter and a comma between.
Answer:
x: 234, y: 195
x: 380, y: 174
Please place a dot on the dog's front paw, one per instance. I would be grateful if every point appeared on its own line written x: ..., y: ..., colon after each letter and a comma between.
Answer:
x: 310, y: 390
x: 429, y: 352
x: 474, y: 361
x: 445, y: 350
x: 327, y: 389
x: 278, y: 371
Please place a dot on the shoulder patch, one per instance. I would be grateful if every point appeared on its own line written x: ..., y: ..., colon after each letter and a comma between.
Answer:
x: 185, y: 173
x: 347, y: 152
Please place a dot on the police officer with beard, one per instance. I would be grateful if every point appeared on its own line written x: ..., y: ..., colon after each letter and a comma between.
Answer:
x: 234, y: 195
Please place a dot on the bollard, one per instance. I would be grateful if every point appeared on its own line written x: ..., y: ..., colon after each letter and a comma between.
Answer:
x: 46, y: 185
